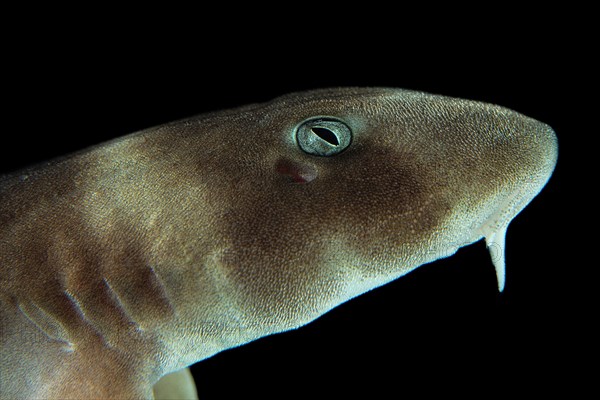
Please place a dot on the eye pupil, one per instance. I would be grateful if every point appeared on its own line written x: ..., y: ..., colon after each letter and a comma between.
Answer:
x: 326, y: 135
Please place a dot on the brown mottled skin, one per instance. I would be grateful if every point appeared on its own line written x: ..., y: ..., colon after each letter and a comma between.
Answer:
x: 143, y: 255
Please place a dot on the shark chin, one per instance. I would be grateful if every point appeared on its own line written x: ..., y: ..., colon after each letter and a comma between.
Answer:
x: 494, y: 229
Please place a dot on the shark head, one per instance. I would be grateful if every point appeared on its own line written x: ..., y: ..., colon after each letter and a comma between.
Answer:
x: 339, y: 191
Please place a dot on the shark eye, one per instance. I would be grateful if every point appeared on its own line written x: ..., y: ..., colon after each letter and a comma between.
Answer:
x: 323, y: 136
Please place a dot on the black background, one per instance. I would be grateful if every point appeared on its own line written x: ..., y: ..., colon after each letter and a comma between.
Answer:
x: 443, y: 329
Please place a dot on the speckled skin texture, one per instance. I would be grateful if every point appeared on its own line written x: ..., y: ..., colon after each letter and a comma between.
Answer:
x: 138, y: 257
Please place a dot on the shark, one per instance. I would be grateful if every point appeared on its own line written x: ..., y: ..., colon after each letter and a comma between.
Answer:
x: 124, y: 263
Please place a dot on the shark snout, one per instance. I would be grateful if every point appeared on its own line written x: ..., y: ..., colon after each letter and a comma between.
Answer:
x: 533, y: 156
